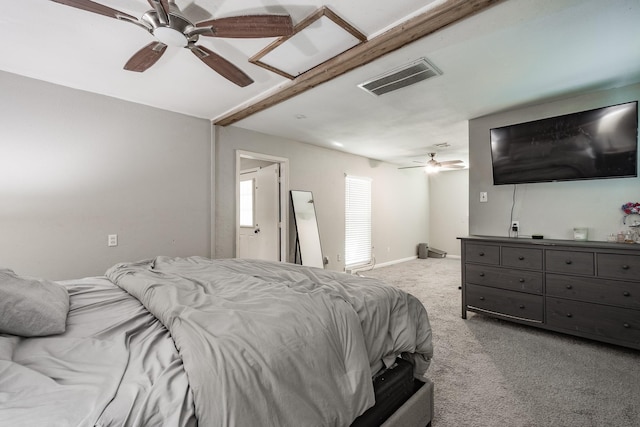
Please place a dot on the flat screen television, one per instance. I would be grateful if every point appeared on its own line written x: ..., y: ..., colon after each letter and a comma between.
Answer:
x: 593, y: 144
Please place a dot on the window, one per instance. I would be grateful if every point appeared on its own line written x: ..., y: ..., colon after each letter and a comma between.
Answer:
x: 246, y: 202
x: 357, y: 249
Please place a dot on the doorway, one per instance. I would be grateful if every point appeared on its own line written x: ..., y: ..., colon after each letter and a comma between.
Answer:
x: 261, y: 206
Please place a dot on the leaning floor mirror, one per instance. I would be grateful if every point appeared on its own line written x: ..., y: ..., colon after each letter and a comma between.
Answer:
x: 308, y: 249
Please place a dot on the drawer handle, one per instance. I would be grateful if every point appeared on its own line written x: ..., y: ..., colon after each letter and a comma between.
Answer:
x: 481, y: 298
x: 521, y: 305
x: 521, y: 280
x: 626, y: 325
x: 481, y: 254
x: 521, y: 258
x: 481, y: 274
x: 626, y: 293
x: 625, y: 267
x: 569, y: 315
x: 569, y: 287
x: 568, y: 262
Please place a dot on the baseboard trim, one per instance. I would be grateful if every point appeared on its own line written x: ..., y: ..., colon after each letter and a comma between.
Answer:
x: 368, y: 267
x: 397, y: 261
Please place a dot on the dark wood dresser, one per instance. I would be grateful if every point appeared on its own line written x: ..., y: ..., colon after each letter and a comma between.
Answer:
x: 588, y: 289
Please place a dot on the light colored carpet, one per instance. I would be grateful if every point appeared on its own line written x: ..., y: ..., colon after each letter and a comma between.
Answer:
x: 488, y: 372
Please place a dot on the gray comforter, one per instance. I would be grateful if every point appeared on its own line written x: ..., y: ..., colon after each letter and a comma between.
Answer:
x: 276, y: 344
x: 237, y: 343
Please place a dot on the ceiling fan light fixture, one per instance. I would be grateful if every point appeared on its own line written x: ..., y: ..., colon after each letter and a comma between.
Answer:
x: 431, y: 169
x: 434, y: 166
x: 170, y: 37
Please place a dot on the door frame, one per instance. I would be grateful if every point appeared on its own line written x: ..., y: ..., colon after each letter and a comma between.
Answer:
x: 283, y: 194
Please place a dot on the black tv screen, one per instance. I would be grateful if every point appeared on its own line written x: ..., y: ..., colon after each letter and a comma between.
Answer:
x: 593, y: 144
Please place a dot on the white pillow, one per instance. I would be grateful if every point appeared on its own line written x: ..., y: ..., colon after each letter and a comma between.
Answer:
x: 31, y: 307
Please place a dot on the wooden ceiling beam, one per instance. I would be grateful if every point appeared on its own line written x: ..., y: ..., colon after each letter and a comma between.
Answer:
x: 441, y: 16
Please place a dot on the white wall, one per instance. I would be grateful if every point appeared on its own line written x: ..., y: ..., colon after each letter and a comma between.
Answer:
x: 75, y: 167
x: 448, y: 210
x: 400, y: 198
x: 551, y: 209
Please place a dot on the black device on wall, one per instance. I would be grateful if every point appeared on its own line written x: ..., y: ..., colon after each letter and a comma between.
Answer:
x: 592, y: 144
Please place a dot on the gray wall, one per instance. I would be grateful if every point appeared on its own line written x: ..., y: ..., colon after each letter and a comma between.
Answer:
x: 552, y: 209
x: 75, y: 167
x: 400, y: 198
x: 448, y: 210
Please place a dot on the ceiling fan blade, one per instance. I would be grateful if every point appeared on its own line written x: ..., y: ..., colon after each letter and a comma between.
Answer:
x: 221, y: 66
x: 249, y: 26
x: 94, y: 7
x: 145, y: 57
x: 451, y: 162
x: 450, y: 167
x: 412, y: 167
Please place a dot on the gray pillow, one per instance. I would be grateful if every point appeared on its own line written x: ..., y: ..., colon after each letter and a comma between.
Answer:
x: 31, y: 307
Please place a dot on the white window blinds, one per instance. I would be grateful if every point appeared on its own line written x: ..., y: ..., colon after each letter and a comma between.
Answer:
x: 357, y: 249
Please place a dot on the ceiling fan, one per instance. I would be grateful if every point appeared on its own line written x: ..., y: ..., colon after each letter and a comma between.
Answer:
x: 432, y: 165
x: 166, y: 22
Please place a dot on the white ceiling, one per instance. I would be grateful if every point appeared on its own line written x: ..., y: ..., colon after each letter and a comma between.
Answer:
x: 517, y: 52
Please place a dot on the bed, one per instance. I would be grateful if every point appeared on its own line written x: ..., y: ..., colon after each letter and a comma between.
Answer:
x: 194, y: 341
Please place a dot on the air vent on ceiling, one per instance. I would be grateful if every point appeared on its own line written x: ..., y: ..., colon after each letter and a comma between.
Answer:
x: 404, y: 76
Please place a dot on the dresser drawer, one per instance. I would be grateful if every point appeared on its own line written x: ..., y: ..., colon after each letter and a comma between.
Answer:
x: 611, y: 292
x: 504, y: 278
x: 597, y: 320
x: 569, y: 262
x: 513, y: 256
x: 619, y: 266
x: 485, y: 254
x: 510, y: 303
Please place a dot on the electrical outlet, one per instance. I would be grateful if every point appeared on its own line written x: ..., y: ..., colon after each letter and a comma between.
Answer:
x: 112, y: 240
x: 483, y: 197
x: 515, y: 225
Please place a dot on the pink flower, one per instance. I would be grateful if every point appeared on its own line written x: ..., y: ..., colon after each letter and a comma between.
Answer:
x: 631, y: 208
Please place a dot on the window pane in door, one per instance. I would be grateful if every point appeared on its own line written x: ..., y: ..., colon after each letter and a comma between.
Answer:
x: 246, y: 203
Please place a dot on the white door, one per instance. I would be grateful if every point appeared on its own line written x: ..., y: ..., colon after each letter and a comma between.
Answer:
x: 260, y: 238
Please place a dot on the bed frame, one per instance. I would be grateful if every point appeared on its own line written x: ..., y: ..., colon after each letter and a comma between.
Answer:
x: 416, y: 411
x: 401, y: 400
